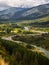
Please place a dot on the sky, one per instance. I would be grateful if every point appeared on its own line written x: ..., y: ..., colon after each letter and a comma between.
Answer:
x: 21, y: 3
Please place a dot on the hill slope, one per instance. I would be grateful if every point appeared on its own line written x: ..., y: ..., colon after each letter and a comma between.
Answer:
x: 14, y: 13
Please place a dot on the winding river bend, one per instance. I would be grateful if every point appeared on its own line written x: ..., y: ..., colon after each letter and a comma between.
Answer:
x: 40, y: 48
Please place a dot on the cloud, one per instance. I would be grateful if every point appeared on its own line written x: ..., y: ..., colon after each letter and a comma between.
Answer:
x: 24, y: 3
x: 47, y: 0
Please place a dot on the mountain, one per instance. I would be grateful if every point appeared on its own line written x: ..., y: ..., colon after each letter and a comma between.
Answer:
x: 14, y: 13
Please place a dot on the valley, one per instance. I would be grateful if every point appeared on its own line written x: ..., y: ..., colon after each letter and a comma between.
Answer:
x: 24, y: 35
x: 17, y: 40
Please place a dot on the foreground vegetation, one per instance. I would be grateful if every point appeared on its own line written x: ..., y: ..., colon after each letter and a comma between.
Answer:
x: 14, y: 54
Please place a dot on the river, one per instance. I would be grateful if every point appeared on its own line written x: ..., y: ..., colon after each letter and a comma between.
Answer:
x: 40, y: 48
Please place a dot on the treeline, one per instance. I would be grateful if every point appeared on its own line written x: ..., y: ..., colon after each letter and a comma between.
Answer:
x: 38, y: 24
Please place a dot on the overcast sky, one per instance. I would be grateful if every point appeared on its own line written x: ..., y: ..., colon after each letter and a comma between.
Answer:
x: 23, y: 3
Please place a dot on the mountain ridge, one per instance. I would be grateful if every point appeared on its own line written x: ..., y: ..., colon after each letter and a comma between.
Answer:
x: 15, y: 13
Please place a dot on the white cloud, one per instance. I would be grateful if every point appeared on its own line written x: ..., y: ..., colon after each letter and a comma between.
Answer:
x: 25, y: 3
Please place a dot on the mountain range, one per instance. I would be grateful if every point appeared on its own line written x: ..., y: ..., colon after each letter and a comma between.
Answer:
x: 17, y: 13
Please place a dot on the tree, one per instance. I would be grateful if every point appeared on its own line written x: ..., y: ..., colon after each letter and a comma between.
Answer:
x: 8, y: 30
